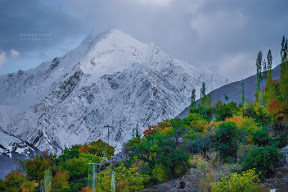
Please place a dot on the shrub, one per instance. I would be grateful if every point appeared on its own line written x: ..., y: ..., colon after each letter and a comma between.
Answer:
x: 207, y: 176
x: 243, y: 151
x: 263, y: 159
x: 36, y: 168
x: 226, y: 111
x: 15, y: 182
x: 246, y: 124
x: 257, y: 112
x: 200, y: 144
x: 225, y: 139
x: 244, y: 182
x: 126, y: 179
x: 159, y: 172
x: 262, y: 138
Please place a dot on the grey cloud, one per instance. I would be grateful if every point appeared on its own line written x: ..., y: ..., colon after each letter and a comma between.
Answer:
x: 225, y: 35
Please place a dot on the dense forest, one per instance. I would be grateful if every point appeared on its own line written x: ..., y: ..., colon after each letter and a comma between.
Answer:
x: 232, y: 146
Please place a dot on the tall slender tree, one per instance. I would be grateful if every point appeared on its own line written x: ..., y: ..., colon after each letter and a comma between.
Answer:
x: 269, y: 60
x: 203, y: 90
x: 284, y: 70
x: 264, y: 66
x: 243, y: 93
x: 259, y: 75
x: 284, y: 49
x: 270, y: 88
x: 193, y: 98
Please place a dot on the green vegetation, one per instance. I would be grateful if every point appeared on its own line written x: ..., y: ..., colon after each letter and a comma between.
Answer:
x: 231, y: 146
x: 246, y: 181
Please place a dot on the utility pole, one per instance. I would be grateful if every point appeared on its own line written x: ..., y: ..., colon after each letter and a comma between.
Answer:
x: 108, y: 126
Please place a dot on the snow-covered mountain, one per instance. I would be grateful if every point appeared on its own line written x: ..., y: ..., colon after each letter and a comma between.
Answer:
x: 109, y: 87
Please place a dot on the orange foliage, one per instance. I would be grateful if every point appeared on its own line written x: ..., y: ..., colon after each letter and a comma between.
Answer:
x: 84, y: 149
x: 155, y: 128
x: 279, y: 110
x: 86, y: 189
x: 236, y: 120
x: 244, y: 123
x: 47, y: 155
x: 25, y: 190
x: 271, y: 133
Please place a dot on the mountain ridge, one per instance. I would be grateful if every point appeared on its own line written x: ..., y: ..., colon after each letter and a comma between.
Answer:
x: 111, y: 79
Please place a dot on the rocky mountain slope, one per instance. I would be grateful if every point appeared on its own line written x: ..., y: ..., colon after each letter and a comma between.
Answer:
x: 110, y: 87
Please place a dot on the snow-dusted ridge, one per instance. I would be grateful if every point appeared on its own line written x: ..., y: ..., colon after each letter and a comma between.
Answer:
x: 110, y: 79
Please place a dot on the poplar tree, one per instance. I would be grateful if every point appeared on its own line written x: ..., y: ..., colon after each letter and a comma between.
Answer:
x: 259, y: 75
x: 264, y: 64
x: 284, y: 70
x: 270, y: 88
x: 203, y: 90
x: 193, y: 98
x: 283, y: 52
x: 243, y: 93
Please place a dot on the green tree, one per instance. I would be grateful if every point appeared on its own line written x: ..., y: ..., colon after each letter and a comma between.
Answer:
x: 259, y: 74
x: 284, y: 49
x: 270, y: 92
x: 264, y: 67
x: 269, y: 61
x: 99, y: 147
x: 284, y: 81
x: 13, y: 181
x: 163, y: 148
x: 60, y: 181
x: 35, y: 169
x: 193, y: 98
x: 227, y: 110
x: 262, y: 138
x: 226, y: 140
x: 126, y: 179
x: 203, y: 90
x: 243, y: 93
x: 263, y: 159
x: 257, y: 112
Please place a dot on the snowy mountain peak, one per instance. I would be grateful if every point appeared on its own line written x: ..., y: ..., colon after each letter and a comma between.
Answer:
x: 109, y: 79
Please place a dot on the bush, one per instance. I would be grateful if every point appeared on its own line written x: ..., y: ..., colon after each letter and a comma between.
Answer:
x: 244, y: 182
x: 243, y: 151
x: 225, y: 111
x: 257, y: 112
x: 126, y: 179
x: 200, y: 144
x: 246, y: 124
x: 263, y: 159
x: 36, y: 168
x: 225, y: 139
x: 207, y: 176
x: 204, y: 111
x: 262, y: 138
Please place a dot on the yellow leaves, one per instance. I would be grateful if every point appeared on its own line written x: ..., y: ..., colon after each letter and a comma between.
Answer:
x: 159, y: 172
x: 245, y: 182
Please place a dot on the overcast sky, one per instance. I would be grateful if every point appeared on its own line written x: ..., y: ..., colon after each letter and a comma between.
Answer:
x: 225, y: 35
